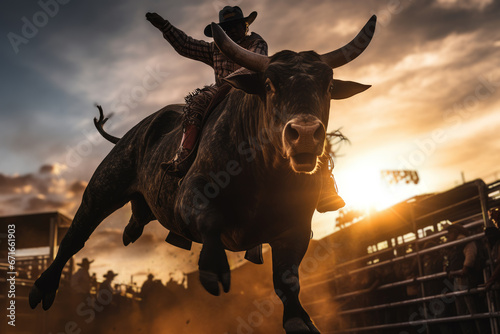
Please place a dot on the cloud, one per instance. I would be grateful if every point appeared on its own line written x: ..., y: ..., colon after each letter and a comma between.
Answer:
x: 464, y: 4
x: 44, y: 190
x: 9, y: 184
x: 40, y: 203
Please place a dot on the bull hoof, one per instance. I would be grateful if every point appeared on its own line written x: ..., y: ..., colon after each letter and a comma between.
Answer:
x: 214, y: 268
x: 37, y: 295
x: 210, y: 282
x: 298, y: 326
x: 131, y: 233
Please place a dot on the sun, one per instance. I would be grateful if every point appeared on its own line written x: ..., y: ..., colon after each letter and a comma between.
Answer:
x: 363, y: 188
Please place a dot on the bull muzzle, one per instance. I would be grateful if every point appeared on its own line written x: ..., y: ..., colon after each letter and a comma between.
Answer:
x: 303, y: 142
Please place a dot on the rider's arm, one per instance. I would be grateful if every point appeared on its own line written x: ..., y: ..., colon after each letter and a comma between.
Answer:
x: 187, y: 46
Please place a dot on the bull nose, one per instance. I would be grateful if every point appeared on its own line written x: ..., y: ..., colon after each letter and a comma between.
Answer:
x: 307, y: 135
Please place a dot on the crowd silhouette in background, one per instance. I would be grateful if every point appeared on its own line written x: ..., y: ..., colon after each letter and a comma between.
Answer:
x: 97, y: 305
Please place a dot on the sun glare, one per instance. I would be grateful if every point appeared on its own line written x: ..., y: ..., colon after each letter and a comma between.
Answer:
x: 364, y: 189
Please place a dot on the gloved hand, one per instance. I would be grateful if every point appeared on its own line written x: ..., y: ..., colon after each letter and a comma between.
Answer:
x: 156, y: 20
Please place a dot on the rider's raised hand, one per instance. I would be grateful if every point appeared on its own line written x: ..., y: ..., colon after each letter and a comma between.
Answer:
x: 155, y: 20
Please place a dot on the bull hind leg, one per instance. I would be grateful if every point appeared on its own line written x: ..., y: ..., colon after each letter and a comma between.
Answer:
x: 208, y: 219
x: 141, y: 216
x: 106, y: 192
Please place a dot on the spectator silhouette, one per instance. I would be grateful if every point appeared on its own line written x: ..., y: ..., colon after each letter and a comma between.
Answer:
x: 432, y: 263
x: 81, y: 284
x: 106, y: 284
x: 462, y: 268
x: 493, y: 238
x: 147, y: 289
x: 149, y: 299
x: 81, y: 281
x: 105, y: 297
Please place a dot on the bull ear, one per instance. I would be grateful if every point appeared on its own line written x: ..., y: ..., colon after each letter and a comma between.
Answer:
x: 250, y: 83
x: 344, y: 89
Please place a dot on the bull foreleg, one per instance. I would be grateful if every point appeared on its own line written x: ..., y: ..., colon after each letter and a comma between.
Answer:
x: 287, y: 255
x: 213, y: 265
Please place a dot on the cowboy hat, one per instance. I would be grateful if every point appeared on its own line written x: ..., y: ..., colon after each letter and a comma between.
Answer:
x: 110, y: 274
x: 85, y: 262
x: 230, y: 15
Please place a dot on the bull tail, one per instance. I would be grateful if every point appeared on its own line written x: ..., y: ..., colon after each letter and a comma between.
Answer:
x: 99, y: 123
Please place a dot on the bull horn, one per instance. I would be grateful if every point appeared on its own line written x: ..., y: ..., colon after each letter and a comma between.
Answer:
x: 248, y: 59
x: 355, y: 47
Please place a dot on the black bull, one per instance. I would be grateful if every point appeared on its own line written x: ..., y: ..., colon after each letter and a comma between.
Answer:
x: 254, y: 180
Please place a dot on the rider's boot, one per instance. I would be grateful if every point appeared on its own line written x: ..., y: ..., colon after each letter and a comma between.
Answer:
x: 179, y: 165
x: 329, y: 199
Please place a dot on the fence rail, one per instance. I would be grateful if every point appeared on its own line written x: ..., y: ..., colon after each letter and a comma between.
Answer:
x: 362, y: 309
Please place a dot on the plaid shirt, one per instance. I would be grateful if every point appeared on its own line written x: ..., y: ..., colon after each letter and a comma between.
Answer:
x: 208, y: 53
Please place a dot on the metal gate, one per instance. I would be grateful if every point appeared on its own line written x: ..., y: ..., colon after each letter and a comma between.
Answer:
x: 386, y: 273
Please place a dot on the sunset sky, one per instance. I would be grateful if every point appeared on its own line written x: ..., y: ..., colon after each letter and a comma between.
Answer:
x: 434, y: 105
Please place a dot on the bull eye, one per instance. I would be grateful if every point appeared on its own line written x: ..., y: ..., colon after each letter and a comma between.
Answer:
x: 269, y: 86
